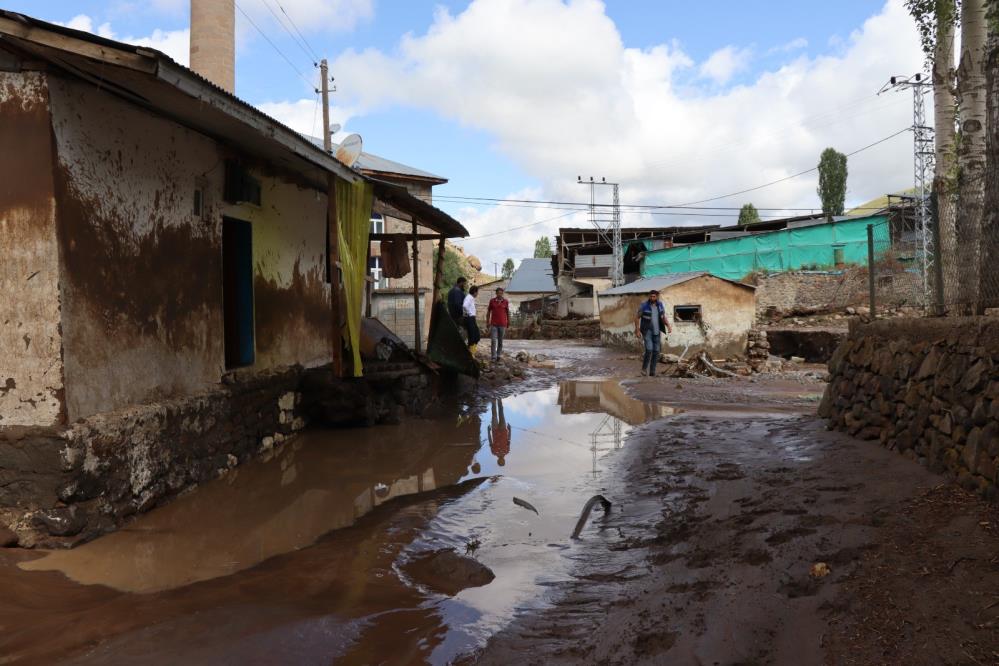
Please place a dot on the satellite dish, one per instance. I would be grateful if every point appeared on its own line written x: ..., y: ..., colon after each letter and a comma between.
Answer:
x: 334, y: 128
x: 349, y: 150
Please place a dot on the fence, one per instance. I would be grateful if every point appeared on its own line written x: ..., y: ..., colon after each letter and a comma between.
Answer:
x: 959, y: 277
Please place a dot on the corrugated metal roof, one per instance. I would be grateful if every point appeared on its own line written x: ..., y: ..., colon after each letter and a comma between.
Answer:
x: 660, y: 282
x: 533, y: 276
x: 591, y: 260
x: 369, y: 162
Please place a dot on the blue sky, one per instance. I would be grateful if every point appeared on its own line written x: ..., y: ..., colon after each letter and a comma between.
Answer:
x: 677, y: 100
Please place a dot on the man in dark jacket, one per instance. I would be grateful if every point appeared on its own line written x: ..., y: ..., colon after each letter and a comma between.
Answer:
x: 455, y: 299
x: 650, y: 322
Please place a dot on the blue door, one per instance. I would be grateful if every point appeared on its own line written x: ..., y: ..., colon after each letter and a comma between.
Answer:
x: 237, y: 292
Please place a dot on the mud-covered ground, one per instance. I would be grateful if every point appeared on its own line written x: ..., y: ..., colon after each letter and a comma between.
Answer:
x: 721, y: 514
x: 725, y: 494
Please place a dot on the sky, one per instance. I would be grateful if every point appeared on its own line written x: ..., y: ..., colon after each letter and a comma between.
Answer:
x: 514, y: 99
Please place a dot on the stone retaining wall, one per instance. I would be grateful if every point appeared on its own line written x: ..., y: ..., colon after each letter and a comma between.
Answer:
x: 927, y: 388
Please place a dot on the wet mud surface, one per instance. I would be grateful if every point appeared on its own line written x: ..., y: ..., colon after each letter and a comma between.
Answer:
x: 724, y: 495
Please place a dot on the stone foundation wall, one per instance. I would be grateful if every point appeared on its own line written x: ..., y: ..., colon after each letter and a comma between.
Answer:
x: 927, y: 388
x: 782, y: 294
x: 59, y: 487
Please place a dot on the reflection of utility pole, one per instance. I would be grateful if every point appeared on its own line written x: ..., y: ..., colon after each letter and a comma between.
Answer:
x: 617, y: 268
x: 609, y: 430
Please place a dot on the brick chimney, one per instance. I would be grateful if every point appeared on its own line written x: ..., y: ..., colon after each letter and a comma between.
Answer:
x: 213, y: 41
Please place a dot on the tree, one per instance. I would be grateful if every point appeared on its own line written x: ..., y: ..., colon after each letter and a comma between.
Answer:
x: 542, y: 248
x: 990, y: 221
x: 832, y: 181
x: 508, y: 269
x: 971, y: 95
x: 453, y: 269
x: 748, y: 214
x: 936, y: 20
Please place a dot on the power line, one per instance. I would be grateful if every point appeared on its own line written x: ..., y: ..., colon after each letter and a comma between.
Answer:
x: 523, y: 226
x: 292, y: 22
x: 274, y: 46
x: 787, y: 178
x: 302, y: 45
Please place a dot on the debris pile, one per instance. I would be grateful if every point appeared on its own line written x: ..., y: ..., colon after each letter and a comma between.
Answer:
x: 758, y: 350
x: 510, y: 368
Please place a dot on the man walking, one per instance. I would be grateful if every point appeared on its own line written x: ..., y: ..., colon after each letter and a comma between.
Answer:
x: 649, y: 324
x: 471, y: 325
x: 497, y: 319
x: 455, y: 300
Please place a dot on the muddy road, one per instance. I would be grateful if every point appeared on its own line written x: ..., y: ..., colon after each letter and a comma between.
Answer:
x: 724, y: 495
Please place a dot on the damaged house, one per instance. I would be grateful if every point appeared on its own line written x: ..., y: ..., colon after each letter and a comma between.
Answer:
x: 708, y: 313
x: 174, y: 261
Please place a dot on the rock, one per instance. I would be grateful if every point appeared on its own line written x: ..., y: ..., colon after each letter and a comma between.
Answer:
x: 669, y: 358
x: 7, y: 538
x: 797, y: 359
x: 448, y: 572
x: 63, y: 521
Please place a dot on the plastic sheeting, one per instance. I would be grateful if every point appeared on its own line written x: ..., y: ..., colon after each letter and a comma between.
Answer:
x: 775, y: 251
x: 353, y: 211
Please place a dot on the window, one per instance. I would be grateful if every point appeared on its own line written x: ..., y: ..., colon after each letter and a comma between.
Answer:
x: 377, y: 224
x: 375, y: 269
x: 687, y: 313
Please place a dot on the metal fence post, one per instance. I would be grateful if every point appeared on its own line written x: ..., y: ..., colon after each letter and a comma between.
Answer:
x: 938, y: 279
x: 870, y: 265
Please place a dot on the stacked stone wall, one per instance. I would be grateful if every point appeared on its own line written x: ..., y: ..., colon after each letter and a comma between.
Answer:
x: 927, y: 388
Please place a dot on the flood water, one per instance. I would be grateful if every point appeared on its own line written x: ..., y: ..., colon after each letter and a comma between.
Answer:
x: 299, y: 558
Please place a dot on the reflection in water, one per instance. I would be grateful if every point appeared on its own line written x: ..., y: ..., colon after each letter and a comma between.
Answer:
x: 322, y: 481
x: 499, y: 432
x: 239, y: 570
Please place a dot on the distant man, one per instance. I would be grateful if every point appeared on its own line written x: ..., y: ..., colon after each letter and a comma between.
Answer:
x: 649, y: 324
x: 497, y: 319
x: 471, y: 325
x: 455, y: 299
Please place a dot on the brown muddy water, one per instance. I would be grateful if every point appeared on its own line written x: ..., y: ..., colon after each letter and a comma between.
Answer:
x: 299, y: 558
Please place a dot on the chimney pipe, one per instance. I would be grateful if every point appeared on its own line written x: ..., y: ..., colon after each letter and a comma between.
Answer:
x: 213, y: 41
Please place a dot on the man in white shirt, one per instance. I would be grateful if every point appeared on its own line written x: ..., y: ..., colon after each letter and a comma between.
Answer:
x: 471, y: 325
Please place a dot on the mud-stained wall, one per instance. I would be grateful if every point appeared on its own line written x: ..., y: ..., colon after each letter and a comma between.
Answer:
x: 31, y: 381
x: 141, y: 292
x: 728, y: 311
x: 292, y: 308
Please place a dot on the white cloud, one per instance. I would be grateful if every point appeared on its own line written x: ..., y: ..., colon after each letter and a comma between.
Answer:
x: 175, y: 43
x: 86, y: 24
x: 794, y: 45
x: 725, y: 63
x: 305, y: 115
x: 567, y: 97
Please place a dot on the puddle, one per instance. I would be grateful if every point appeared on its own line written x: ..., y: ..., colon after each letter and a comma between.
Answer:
x: 252, y: 545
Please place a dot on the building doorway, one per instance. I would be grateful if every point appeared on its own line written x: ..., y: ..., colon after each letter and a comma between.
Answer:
x: 237, y: 292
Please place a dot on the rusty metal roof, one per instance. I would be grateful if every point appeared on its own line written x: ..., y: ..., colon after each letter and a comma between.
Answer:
x: 660, y: 282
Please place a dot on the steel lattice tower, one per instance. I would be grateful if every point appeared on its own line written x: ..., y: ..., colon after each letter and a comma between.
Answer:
x: 924, y: 163
x: 617, y: 267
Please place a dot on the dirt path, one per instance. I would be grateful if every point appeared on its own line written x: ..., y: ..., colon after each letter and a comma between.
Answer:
x: 721, y: 513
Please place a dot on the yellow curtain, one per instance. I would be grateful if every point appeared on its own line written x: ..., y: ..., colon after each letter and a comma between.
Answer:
x: 353, y: 211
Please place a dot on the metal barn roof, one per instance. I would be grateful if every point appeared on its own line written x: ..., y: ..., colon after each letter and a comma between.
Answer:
x: 533, y: 276
x: 660, y: 282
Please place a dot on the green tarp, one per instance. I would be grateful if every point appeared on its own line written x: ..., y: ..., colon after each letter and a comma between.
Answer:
x: 805, y: 248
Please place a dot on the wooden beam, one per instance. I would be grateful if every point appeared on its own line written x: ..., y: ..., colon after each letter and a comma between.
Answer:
x: 78, y: 46
x: 438, y: 278
x: 336, y: 292
x: 381, y: 237
x: 417, y: 332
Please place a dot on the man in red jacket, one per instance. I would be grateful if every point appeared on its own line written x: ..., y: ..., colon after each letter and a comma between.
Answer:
x: 497, y: 319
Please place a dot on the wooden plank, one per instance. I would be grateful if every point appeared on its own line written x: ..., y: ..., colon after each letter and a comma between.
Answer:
x: 82, y: 47
x: 381, y: 237
x: 417, y: 333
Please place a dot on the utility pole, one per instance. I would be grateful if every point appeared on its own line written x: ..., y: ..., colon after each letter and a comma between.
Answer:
x: 324, y: 72
x: 617, y: 268
x: 332, y: 231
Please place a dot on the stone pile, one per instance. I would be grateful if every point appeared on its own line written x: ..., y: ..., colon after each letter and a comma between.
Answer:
x: 926, y: 388
x: 758, y: 350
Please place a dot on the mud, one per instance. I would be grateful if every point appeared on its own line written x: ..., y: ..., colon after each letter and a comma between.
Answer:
x: 724, y: 495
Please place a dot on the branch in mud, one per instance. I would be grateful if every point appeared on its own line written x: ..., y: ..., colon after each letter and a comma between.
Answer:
x: 586, y: 512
